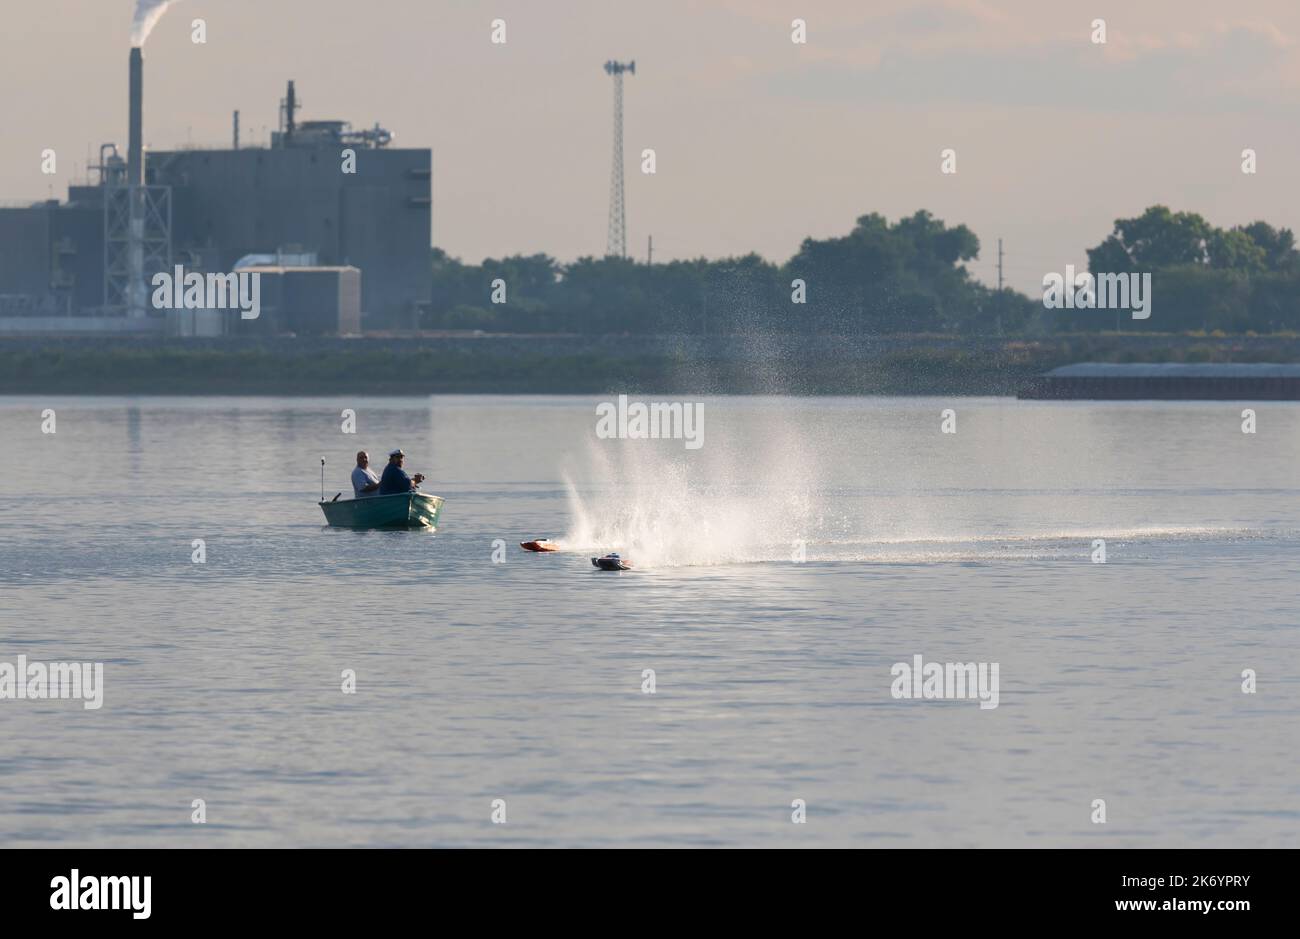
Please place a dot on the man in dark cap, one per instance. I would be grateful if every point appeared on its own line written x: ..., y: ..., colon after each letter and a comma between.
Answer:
x: 395, y: 479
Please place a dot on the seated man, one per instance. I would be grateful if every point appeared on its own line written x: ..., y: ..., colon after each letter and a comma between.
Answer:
x: 395, y: 478
x: 364, y: 480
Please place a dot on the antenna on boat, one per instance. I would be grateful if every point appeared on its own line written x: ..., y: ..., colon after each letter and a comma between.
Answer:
x: 322, y: 479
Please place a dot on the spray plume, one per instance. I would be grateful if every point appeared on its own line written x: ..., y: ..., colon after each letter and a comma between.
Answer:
x: 147, y: 15
x: 743, y: 498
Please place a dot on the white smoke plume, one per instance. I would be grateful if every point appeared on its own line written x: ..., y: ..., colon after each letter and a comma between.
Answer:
x: 147, y: 15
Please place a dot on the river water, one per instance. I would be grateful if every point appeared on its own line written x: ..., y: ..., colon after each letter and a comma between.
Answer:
x: 781, y: 569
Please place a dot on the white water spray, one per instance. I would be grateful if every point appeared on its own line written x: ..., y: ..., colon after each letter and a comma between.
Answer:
x: 845, y: 481
x: 738, y: 500
x: 147, y: 15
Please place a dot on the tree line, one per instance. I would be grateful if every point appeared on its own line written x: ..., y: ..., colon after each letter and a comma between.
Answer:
x: 909, y: 276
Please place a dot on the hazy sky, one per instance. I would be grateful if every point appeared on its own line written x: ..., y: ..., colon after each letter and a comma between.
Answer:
x: 759, y: 142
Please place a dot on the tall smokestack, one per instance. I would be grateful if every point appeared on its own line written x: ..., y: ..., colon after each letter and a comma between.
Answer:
x: 290, y: 105
x: 135, y: 133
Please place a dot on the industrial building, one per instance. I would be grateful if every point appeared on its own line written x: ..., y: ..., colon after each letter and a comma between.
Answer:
x: 83, y: 265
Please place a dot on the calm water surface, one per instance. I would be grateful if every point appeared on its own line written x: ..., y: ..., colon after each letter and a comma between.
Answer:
x: 522, y: 680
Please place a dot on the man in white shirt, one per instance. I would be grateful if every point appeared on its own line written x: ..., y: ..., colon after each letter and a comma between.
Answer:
x: 364, y: 481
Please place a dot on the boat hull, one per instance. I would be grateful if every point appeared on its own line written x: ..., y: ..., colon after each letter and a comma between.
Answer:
x: 399, y: 510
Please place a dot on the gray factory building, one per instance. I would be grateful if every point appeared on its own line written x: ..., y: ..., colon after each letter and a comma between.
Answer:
x: 51, y: 258
x: 306, y: 301
x: 230, y: 203
x: 58, y: 260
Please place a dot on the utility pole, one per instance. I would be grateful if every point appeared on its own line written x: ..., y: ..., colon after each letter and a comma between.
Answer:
x: 650, y: 250
x: 616, y: 243
x: 999, y: 265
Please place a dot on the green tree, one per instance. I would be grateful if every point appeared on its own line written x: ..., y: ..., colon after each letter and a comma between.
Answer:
x: 1235, y: 250
x: 1155, y: 239
x: 1278, y: 245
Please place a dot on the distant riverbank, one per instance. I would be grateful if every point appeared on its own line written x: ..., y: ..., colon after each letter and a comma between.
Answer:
x: 532, y: 364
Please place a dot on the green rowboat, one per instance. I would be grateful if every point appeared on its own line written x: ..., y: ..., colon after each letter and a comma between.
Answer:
x: 399, y: 510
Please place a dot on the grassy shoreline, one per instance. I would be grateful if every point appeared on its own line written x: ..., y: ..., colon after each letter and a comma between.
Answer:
x: 513, y: 364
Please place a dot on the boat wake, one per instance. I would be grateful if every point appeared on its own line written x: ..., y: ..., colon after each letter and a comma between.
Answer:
x: 665, y: 509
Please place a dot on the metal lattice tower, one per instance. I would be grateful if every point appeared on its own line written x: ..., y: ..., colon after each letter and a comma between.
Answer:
x: 617, y: 241
x: 137, y: 244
